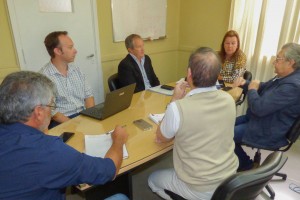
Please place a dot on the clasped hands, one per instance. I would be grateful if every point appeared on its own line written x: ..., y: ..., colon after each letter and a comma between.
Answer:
x: 254, y: 85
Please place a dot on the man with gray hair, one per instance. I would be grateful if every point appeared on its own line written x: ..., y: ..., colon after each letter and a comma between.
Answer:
x: 203, y: 153
x: 136, y: 67
x: 273, y: 106
x: 39, y: 166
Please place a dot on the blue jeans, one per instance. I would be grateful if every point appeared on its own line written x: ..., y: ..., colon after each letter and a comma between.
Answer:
x: 117, y: 197
x: 239, y: 130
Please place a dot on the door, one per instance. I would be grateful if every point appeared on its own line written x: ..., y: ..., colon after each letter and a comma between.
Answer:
x: 30, y: 27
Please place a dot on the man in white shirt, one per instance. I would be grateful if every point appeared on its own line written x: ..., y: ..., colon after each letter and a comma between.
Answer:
x: 201, y: 124
x: 73, y: 92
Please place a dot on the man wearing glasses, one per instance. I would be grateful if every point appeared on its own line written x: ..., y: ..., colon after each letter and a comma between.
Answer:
x: 273, y: 106
x: 73, y: 91
x: 39, y: 166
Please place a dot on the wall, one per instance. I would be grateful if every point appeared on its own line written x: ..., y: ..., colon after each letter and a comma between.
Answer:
x: 8, y: 60
x: 202, y: 23
x: 163, y: 52
x: 187, y: 28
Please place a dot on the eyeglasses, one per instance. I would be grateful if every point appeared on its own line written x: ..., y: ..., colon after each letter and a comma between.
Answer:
x: 277, y: 59
x: 52, y: 106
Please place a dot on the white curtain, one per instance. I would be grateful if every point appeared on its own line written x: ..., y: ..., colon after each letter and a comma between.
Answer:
x: 264, y: 26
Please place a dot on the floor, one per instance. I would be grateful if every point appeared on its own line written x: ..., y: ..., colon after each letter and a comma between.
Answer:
x: 141, y: 190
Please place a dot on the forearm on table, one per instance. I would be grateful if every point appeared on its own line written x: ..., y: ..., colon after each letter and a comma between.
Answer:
x: 160, y: 137
x: 116, y: 154
x: 89, y: 102
x: 59, y: 117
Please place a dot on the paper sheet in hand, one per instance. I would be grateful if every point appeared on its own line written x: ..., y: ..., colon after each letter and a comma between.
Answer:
x: 98, y: 145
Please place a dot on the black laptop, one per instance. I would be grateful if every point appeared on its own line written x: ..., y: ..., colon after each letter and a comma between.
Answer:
x: 115, y: 102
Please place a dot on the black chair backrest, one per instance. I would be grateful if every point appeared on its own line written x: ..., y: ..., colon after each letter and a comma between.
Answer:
x: 173, y: 195
x: 293, y: 134
x: 247, y: 75
x: 113, y: 82
x: 294, y: 131
x: 249, y: 184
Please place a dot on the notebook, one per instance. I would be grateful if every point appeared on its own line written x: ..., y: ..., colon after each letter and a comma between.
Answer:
x: 115, y: 102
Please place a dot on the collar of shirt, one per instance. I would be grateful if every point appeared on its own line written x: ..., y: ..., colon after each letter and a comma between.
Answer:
x: 201, y: 90
x: 15, y: 128
x: 137, y: 61
x: 53, y: 70
x: 276, y: 78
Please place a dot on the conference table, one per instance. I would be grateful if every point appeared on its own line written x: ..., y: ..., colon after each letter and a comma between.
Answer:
x: 140, y: 145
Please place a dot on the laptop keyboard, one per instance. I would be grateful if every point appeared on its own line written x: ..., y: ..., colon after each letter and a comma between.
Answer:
x: 97, y: 111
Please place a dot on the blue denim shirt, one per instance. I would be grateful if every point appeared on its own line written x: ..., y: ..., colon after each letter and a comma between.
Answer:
x: 272, y: 111
x: 38, y: 166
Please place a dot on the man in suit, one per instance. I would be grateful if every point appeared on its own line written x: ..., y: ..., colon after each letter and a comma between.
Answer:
x: 273, y: 106
x: 136, y: 67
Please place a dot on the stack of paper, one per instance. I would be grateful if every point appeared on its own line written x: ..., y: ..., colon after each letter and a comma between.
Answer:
x: 158, y: 89
x: 156, y: 118
x: 98, y: 145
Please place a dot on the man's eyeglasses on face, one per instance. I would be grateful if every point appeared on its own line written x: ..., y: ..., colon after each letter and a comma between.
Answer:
x: 52, y: 106
x: 277, y: 59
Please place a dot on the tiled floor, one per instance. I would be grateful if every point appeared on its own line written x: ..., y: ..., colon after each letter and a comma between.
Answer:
x: 292, y: 169
x: 141, y: 190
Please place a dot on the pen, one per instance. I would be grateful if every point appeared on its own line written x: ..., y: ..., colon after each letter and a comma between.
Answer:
x: 111, y: 131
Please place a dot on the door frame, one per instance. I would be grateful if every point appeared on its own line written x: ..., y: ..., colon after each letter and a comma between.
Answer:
x: 19, y: 48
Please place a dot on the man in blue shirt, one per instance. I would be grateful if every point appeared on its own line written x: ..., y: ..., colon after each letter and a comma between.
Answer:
x: 35, y: 165
x: 273, y: 106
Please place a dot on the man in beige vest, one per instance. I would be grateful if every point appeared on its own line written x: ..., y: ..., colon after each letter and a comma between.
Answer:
x: 201, y: 124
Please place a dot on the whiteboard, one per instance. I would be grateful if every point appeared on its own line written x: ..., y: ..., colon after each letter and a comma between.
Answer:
x: 144, y: 17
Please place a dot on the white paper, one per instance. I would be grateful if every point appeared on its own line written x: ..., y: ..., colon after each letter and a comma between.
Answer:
x: 98, y: 145
x: 156, y: 118
x: 161, y: 91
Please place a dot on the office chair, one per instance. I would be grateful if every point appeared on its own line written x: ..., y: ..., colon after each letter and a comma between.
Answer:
x: 246, y: 185
x: 113, y: 82
x: 248, y: 77
x: 291, y: 136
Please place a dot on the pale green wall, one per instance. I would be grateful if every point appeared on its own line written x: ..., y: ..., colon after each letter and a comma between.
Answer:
x: 8, y: 61
x: 190, y: 24
x: 202, y: 23
x: 163, y: 52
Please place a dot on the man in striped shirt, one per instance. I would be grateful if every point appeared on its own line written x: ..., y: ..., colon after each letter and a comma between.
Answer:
x: 73, y: 92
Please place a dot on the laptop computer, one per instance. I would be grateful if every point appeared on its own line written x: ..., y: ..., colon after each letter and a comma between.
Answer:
x: 115, y: 102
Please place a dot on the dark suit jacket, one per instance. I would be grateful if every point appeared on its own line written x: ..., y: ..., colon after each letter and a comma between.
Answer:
x: 272, y: 111
x: 129, y: 72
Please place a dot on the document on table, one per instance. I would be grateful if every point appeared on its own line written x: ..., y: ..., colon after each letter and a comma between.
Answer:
x: 156, y: 118
x: 98, y: 145
x: 158, y: 89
